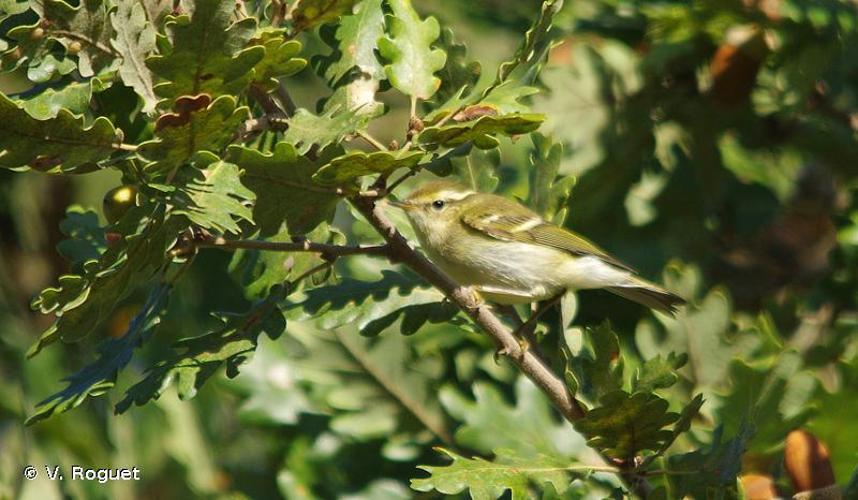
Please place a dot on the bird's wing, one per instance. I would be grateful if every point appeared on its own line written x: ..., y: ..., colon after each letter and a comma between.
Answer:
x: 522, y: 225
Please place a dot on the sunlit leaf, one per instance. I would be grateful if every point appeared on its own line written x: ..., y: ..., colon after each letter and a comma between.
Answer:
x: 207, y: 53
x: 487, y: 480
x: 54, y: 144
x: 480, y: 131
x: 345, y: 169
x: 413, y: 62
x: 134, y: 38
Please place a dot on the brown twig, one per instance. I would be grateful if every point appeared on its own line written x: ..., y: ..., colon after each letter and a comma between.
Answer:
x: 326, y: 250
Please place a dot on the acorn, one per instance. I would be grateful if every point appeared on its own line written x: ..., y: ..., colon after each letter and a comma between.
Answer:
x: 74, y: 48
x: 807, y: 462
x: 118, y: 201
x: 37, y: 34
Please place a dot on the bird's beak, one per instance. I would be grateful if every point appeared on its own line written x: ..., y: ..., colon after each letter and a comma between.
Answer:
x: 403, y: 205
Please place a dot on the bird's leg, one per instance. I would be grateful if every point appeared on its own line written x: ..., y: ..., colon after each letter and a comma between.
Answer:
x: 526, y: 331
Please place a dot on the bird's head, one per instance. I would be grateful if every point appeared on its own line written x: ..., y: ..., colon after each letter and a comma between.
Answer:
x: 433, y: 207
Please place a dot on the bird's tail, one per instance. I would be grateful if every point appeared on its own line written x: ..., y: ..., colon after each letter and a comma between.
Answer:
x: 649, y: 295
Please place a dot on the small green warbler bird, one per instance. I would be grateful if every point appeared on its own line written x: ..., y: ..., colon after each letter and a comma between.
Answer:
x: 511, y: 255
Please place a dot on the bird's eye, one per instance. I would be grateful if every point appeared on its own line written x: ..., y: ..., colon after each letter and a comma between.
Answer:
x: 438, y: 204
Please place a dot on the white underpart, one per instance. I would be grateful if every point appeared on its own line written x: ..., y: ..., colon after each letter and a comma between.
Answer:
x: 524, y: 272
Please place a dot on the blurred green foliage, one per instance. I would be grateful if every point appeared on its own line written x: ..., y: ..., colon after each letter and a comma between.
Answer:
x: 711, y: 145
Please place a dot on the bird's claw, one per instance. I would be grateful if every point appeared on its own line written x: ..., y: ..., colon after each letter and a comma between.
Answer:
x: 523, y: 348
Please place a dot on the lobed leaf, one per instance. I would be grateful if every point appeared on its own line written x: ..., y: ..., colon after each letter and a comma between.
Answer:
x: 54, y: 144
x: 307, y: 130
x: 480, y: 131
x: 478, y: 169
x: 413, y: 62
x: 74, y: 97
x: 113, y: 355
x: 82, y: 302
x: 598, y: 366
x: 346, y: 169
x: 309, y: 13
x: 658, y: 372
x: 353, y: 70
x: 529, y: 428
x: 85, y: 240
x: 260, y: 271
x: 372, y: 306
x: 280, y: 59
x: 281, y: 175
x: 625, y: 424
x: 85, y: 24
x: 196, y: 359
x: 214, y: 198
x: 549, y: 192
x: 134, y: 38
x: 207, y: 53
x: 488, y: 480
x: 198, y: 124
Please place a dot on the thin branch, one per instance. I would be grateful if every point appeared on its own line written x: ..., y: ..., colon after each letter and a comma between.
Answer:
x: 85, y: 39
x: 414, y: 407
x: 286, y: 100
x: 372, y: 141
x: 126, y: 147
x: 324, y: 249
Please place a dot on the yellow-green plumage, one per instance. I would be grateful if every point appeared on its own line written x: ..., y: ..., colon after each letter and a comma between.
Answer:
x: 511, y: 255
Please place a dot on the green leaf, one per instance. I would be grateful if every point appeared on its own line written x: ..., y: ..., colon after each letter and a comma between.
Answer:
x: 828, y: 424
x: 710, y: 472
x: 772, y: 394
x: 658, y: 372
x: 74, y: 97
x: 134, y: 38
x: 597, y: 365
x: 373, y: 306
x: 309, y: 13
x: 683, y: 423
x: 208, y: 52
x: 698, y: 329
x: 82, y: 302
x: 56, y: 144
x: 353, y: 69
x: 88, y: 20
x: 214, y: 198
x: 283, y: 175
x: 345, y: 169
x: 261, y: 271
x: 549, y: 193
x: 10, y: 8
x: 307, y: 130
x: 480, y: 131
x: 478, y: 170
x: 113, y: 355
x: 459, y: 75
x: 624, y: 425
x: 533, y: 50
x: 413, y: 62
x: 491, y: 479
x: 530, y: 428
x: 280, y: 59
x: 85, y: 237
x: 195, y: 126
x: 196, y: 359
